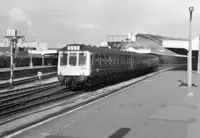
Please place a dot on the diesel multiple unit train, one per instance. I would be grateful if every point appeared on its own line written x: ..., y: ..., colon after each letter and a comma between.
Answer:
x: 84, y: 65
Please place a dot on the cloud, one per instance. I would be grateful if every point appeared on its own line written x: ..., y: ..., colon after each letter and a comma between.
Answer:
x: 64, y: 21
x: 71, y: 23
x: 17, y: 19
x: 17, y: 15
x: 29, y: 23
x: 88, y: 26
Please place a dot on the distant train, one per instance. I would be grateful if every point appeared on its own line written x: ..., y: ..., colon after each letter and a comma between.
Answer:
x: 83, y: 65
x: 21, y: 61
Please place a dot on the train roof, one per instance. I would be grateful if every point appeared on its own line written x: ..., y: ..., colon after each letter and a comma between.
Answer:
x: 82, y: 47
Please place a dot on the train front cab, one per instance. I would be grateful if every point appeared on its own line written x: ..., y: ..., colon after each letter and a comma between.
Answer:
x: 73, y: 67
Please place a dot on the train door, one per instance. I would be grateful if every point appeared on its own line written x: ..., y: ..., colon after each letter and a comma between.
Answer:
x: 91, y: 63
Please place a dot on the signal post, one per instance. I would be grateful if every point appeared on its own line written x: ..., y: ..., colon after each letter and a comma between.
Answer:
x: 13, y: 37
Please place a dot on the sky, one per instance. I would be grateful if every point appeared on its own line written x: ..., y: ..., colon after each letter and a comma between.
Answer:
x: 61, y: 22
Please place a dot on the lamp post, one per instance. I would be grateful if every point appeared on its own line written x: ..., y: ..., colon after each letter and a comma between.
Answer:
x: 191, y: 9
x: 198, y: 64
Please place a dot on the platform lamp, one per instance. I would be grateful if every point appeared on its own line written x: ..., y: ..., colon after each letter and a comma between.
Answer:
x: 191, y: 9
x: 12, y: 36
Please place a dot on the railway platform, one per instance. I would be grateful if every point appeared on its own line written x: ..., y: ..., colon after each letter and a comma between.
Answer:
x: 25, y: 71
x: 25, y: 68
x: 158, y: 107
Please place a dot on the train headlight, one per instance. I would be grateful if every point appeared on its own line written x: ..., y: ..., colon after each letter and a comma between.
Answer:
x: 61, y: 77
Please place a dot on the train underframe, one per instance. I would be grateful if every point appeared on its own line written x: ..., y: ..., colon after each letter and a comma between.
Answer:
x: 74, y: 82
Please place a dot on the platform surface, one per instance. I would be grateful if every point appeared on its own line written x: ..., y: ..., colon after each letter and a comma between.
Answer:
x: 156, y: 108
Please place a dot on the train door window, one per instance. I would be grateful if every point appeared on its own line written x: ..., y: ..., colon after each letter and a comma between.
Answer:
x: 63, y: 59
x: 91, y: 59
x: 97, y: 59
x: 82, y: 59
x: 72, y: 59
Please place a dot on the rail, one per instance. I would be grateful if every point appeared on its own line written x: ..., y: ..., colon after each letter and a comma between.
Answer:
x: 27, y: 80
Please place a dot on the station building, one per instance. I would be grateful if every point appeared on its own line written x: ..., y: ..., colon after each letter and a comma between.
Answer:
x: 176, y: 45
x: 34, y: 47
x: 155, y: 42
x: 37, y: 52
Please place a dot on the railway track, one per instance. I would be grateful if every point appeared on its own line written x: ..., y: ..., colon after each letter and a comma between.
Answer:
x: 15, y: 102
x: 27, y: 80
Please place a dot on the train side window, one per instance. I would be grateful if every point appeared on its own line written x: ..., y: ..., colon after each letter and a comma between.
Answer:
x: 63, y: 59
x: 110, y: 59
x: 102, y: 59
x: 113, y: 59
x: 117, y: 60
x: 107, y: 59
x: 136, y: 59
x: 82, y: 59
x: 97, y: 59
x: 140, y: 59
x: 113, y: 62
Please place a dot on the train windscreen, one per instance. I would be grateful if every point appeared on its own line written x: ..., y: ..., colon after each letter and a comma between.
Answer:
x: 72, y: 59
x: 63, y: 59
